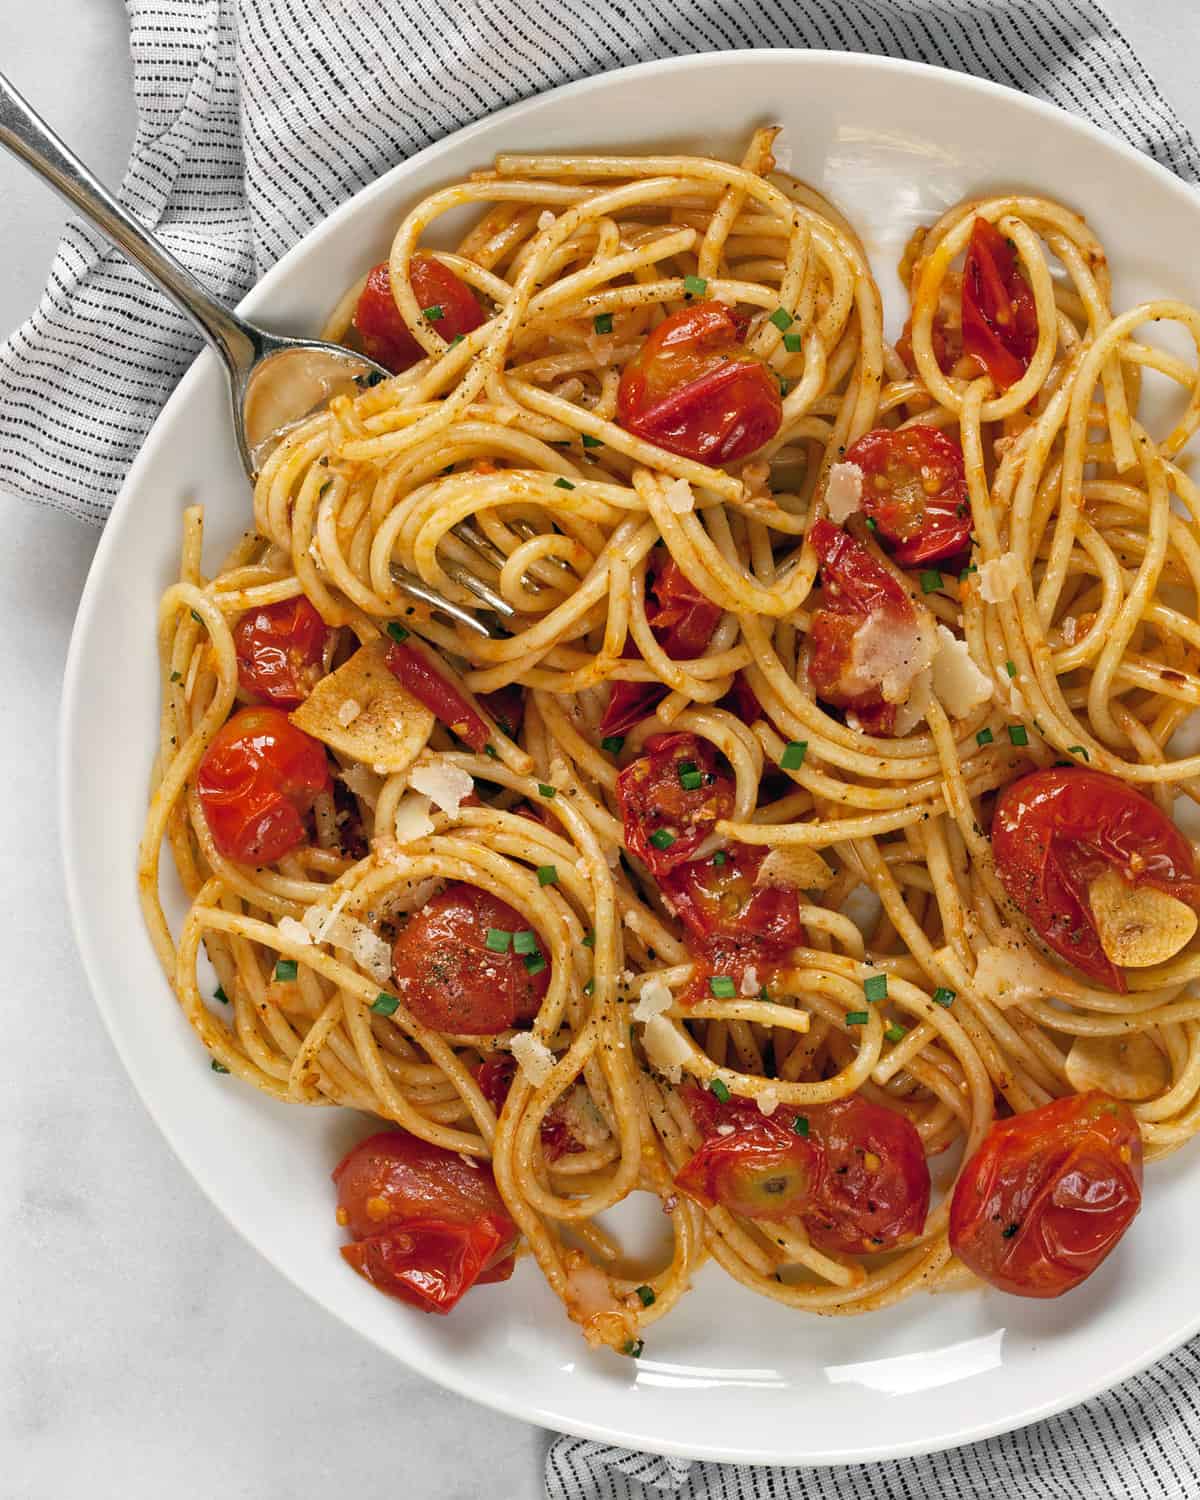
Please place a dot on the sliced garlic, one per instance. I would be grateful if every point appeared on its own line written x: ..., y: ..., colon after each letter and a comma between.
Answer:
x: 1138, y: 925
x: 794, y: 867
x: 1128, y: 1067
x: 389, y: 728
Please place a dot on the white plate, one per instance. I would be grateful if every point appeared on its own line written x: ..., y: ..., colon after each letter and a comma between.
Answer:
x: 727, y: 1375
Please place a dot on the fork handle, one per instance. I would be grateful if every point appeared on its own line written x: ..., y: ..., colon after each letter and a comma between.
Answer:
x: 30, y: 139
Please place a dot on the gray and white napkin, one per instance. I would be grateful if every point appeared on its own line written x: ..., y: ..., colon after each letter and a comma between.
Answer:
x: 258, y: 117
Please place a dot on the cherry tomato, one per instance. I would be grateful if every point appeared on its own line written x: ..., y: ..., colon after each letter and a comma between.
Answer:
x: 915, y: 490
x: 279, y: 651
x: 257, y: 780
x: 854, y: 588
x: 666, y: 816
x: 427, y: 1225
x: 945, y: 338
x: 761, y: 1169
x: 683, y: 620
x: 742, y: 701
x: 1055, y: 831
x: 507, y: 706
x: 452, y: 980
x: 382, y: 331
x: 999, y: 315
x: 438, y: 695
x: 694, y: 390
x: 1048, y: 1194
x: 875, y: 1191
x: 495, y: 1078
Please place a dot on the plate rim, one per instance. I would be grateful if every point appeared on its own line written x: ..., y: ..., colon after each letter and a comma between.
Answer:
x: 455, y: 1378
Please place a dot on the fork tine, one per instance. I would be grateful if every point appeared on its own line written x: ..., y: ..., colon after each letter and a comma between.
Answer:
x: 488, y: 596
x: 415, y: 588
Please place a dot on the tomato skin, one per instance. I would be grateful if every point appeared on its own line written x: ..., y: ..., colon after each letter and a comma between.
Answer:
x: 382, y: 331
x: 280, y: 648
x: 257, y: 780
x: 915, y: 490
x: 854, y: 587
x: 999, y: 315
x: 1055, y: 830
x: 451, y: 980
x: 875, y: 1192
x: 426, y: 1225
x: 761, y: 1170
x: 651, y: 798
x: 495, y: 1078
x: 695, y: 391
x: 683, y: 620
x: 439, y: 696
x: 507, y: 706
x: 1048, y: 1195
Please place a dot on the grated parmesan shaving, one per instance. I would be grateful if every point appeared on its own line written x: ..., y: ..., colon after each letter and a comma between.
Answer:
x: 348, y: 712
x: 293, y: 931
x: 533, y: 1057
x: 665, y: 1048
x: 889, y: 655
x: 654, y: 999
x: 545, y: 219
x: 319, y: 919
x: 957, y: 681
x: 843, y: 492
x: 412, y: 818
x: 366, y: 947
x: 362, y: 783
x: 679, y: 497
x: 768, y: 1101
x: 448, y: 785
x: 725, y: 1129
x: 749, y: 984
x: 583, y: 1119
x: 999, y: 578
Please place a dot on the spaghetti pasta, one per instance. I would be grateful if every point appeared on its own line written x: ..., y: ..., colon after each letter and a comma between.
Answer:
x: 834, y: 762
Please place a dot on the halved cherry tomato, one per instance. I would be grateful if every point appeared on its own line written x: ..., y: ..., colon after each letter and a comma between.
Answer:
x: 694, y: 390
x: 683, y: 620
x: 279, y: 650
x: 854, y: 589
x: 915, y: 490
x: 382, y: 331
x: 452, y: 980
x: 257, y: 780
x: 875, y: 1191
x: 1055, y: 831
x: 760, y: 1168
x: 427, y: 1224
x: 495, y: 1075
x: 1048, y: 1195
x: 438, y: 695
x: 945, y: 338
x: 999, y: 315
x: 666, y: 818
x: 507, y: 706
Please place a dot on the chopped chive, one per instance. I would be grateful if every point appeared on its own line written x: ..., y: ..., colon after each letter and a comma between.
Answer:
x: 497, y: 940
x: 1078, y: 750
x: 547, y: 874
x: 793, y: 755
x: 457, y: 339
x: 695, y: 286
x: 662, y: 838
x: 931, y: 581
x: 792, y: 342
x: 534, y: 963
x: 800, y: 1126
x: 546, y: 790
x: 720, y: 857
x: 857, y: 1017
x: 602, y: 322
x: 324, y: 487
x: 875, y: 988
x: 1011, y: 668
x: 634, y: 1348
x: 435, y: 314
x: 199, y: 619
x: 685, y: 765
x: 1009, y: 1230
x: 646, y: 1293
x: 719, y: 1091
x: 525, y: 942
x: 590, y: 987
x: 722, y: 987
x: 397, y: 632
x: 385, y: 1004
x: 613, y: 743
x: 589, y: 441
x: 782, y: 319
x: 490, y: 750
x: 785, y: 385
x: 563, y: 484
x: 219, y: 994
x: 966, y: 572
x: 691, y: 781
x: 176, y: 676
x: 872, y: 524
x: 764, y: 993
x: 589, y: 940
x: 895, y: 1033
x: 944, y: 997
x: 219, y: 1067
x: 286, y: 968
x: 1018, y: 734
x: 984, y: 737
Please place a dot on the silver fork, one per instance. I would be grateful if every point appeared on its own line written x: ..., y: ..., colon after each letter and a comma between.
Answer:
x: 274, y: 382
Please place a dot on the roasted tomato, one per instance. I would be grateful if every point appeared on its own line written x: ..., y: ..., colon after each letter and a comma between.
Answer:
x: 683, y: 620
x: 279, y: 651
x: 1048, y: 1194
x: 427, y: 1224
x: 1056, y: 832
x: 670, y: 798
x: 855, y: 592
x: 257, y: 780
x: 742, y: 701
x: 874, y: 1194
x: 694, y: 390
x: 438, y: 695
x: 915, y: 490
x: 507, y: 706
x: 759, y: 1167
x: 495, y: 1078
x: 737, y: 925
x: 461, y: 963
x: 448, y: 304
x: 999, y: 315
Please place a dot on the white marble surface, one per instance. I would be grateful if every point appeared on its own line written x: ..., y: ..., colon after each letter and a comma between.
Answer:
x: 144, y: 1349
